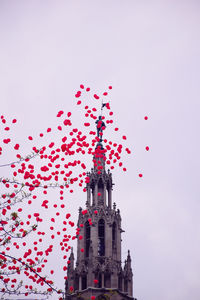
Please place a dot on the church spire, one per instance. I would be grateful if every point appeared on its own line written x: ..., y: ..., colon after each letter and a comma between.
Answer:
x: 98, y: 267
x: 99, y: 154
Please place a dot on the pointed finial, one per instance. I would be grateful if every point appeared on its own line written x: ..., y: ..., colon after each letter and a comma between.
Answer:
x: 129, y: 257
x: 100, y: 127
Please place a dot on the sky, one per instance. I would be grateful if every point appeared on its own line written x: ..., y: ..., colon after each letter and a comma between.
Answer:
x: 149, y: 52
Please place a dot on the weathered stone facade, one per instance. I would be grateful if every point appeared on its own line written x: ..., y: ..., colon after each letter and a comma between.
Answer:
x: 98, y: 271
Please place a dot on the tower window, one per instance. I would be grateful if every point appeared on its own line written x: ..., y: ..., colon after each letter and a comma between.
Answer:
x: 107, y: 282
x: 101, y: 238
x: 101, y: 191
x: 114, y: 238
x: 84, y: 282
x: 120, y: 282
x: 100, y: 280
x: 125, y: 285
x: 76, y: 284
x: 98, y: 276
x: 87, y: 238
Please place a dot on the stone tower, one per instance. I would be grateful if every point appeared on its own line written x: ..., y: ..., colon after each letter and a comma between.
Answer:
x: 98, y: 273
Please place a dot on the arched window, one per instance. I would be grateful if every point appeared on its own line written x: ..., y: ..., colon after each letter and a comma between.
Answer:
x: 107, y: 280
x: 98, y: 276
x: 84, y: 282
x: 87, y: 238
x: 101, y: 191
x: 114, y: 236
x: 100, y: 280
x: 120, y: 282
x: 101, y: 238
x: 125, y: 285
x: 76, y: 283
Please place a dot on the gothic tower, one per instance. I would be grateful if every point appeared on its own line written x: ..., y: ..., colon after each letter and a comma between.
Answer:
x: 98, y: 271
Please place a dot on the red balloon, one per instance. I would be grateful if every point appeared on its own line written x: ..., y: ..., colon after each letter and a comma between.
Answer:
x: 16, y: 147
x: 96, y: 97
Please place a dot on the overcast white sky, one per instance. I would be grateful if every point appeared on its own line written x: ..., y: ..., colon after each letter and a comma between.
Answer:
x: 149, y: 52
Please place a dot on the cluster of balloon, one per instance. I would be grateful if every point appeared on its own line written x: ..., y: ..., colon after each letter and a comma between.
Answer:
x: 31, y: 179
